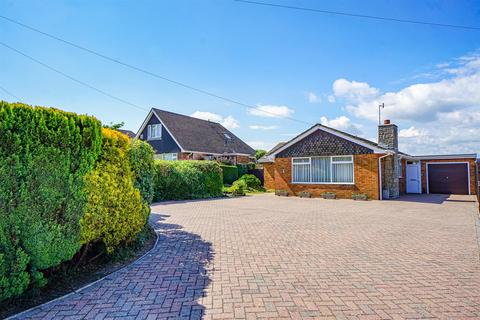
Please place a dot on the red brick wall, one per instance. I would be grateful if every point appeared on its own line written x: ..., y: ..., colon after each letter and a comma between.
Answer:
x: 244, y: 159
x: 201, y: 156
x: 473, y: 179
x: 365, y: 176
x: 269, y: 176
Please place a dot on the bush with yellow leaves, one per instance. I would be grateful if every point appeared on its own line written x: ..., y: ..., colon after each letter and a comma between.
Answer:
x: 115, y: 212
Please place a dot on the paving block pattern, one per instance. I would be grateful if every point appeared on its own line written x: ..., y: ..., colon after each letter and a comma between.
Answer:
x: 267, y: 257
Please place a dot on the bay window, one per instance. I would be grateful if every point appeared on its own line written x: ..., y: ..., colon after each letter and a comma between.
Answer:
x: 334, y: 169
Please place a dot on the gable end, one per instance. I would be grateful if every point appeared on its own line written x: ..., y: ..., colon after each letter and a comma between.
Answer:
x: 322, y: 143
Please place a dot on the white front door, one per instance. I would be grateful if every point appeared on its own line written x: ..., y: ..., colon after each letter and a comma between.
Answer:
x: 413, y: 178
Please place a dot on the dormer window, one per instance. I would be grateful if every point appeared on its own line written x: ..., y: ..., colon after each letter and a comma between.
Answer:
x: 154, y: 131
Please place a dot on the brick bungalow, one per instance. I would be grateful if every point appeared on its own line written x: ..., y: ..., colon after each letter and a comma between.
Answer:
x: 324, y: 159
x: 175, y: 136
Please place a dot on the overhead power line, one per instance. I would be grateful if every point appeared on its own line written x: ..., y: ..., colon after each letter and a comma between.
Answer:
x: 150, y: 73
x: 72, y: 78
x: 9, y: 93
x: 365, y: 16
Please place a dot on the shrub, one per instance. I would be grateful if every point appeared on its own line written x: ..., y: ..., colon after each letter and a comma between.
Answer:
x: 230, y: 173
x: 115, y: 212
x: 238, y: 188
x: 187, y: 179
x: 142, y: 163
x: 251, y: 181
x: 44, y: 156
x: 242, y: 169
x: 260, y: 153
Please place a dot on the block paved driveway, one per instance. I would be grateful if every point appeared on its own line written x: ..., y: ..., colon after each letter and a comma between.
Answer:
x: 280, y: 258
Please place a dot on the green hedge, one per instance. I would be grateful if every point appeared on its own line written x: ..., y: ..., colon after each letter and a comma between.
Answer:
x: 142, y: 163
x: 242, y: 169
x: 180, y: 180
x: 251, y: 181
x: 115, y: 212
x: 44, y: 156
x: 230, y: 173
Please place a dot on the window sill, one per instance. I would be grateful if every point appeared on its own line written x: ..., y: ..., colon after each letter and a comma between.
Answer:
x: 152, y: 139
x: 326, y: 183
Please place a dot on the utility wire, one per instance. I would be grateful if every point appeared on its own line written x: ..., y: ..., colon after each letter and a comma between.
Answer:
x: 155, y: 75
x: 9, y: 93
x: 348, y: 14
x: 72, y: 78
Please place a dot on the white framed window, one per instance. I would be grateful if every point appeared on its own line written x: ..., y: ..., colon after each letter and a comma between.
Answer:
x: 301, y: 169
x: 166, y: 156
x: 154, y: 131
x: 323, y: 170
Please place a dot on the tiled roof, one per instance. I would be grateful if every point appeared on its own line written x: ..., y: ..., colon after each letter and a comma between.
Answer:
x: 201, y: 135
x: 129, y: 133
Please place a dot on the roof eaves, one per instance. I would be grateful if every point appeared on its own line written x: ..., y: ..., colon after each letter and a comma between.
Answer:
x: 361, y: 141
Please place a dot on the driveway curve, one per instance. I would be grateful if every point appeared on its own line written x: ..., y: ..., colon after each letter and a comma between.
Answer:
x: 267, y: 257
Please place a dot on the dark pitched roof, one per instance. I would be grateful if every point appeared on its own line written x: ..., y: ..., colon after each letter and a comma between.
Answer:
x: 201, y: 135
x: 129, y: 133
x: 373, y: 144
x: 366, y: 141
x: 281, y: 144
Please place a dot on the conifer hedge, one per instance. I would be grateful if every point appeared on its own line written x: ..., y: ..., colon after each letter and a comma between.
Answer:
x: 65, y: 182
x: 115, y: 211
x: 44, y: 156
x: 141, y: 160
x: 187, y: 179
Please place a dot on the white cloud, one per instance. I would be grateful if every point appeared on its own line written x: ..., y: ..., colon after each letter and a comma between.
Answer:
x: 271, y: 111
x: 228, y: 122
x: 312, y: 97
x: 411, y: 132
x: 353, y: 91
x: 342, y: 123
x: 424, y: 101
x: 259, y: 127
x: 331, y: 98
x: 443, y: 115
x: 261, y: 145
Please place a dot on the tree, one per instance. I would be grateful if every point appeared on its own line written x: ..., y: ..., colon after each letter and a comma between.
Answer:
x: 114, y: 126
x: 260, y: 153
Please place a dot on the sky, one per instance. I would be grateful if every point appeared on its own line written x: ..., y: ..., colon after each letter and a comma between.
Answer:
x: 312, y: 67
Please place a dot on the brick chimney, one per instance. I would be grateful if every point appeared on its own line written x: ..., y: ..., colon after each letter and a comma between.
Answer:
x: 388, y: 135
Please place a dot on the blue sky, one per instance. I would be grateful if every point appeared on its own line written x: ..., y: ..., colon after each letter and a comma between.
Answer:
x: 312, y: 67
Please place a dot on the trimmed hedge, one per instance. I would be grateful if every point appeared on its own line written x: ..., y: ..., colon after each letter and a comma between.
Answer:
x: 187, y: 179
x: 242, y: 169
x: 141, y: 160
x: 230, y: 173
x: 44, y: 156
x: 115, y: 212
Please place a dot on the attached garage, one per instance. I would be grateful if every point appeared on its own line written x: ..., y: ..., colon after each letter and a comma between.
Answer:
x: 448, y: 174
x: 448, y: 178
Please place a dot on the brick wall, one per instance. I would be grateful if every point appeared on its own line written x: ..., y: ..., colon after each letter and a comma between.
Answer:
x: 244, y: 159
x: 227, y: 158
x: 365, y: 176
x: 473, y: 179
x: 269, y: 176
